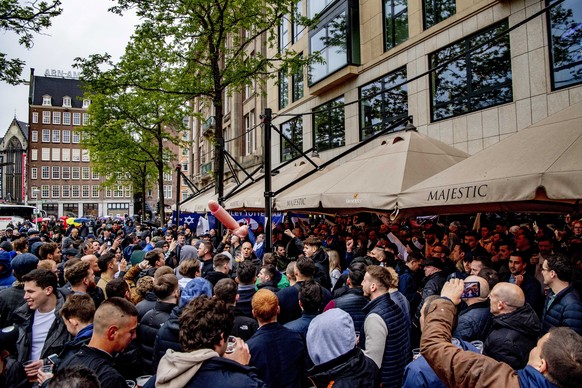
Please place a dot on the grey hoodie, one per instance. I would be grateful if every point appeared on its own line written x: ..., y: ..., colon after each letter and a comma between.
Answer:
x: 177, y: 368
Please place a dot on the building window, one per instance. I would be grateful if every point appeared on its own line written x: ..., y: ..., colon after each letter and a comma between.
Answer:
x: 316, y: 6
x: 95, y: 191
x: 56, y: 136
x: 47, y: 101
x: 34, y: 173
x: 435, y: 11
x: 34, y: 136
x: 85, y: 173
x: 476, y: 80
x: 35, y: 117
x: 34, y: 154
x: 66, y: 102
x: 85, y: 156
x: 118, y: 191
x: 76, y: 137
x: 297, y: 84
x: 76, y: 155
x: 46, y: 154
x: 66, y: 191
x: 56, y: 154
x: 46, y: 117
x: 66, y: 172
x: 185, y: 167
x: 66, y: 136
x: 66, y: 118
x: 336, y: 39
x: 56, y: 172
x: 565, y: 21
x: 66, y: 154
x: 293, y: 130
x: 56, y: 191
x: 108, y: 193
x: 76, y: 172
x: 45, y: 171
x: 56, y: 117
x: 95, y: 175
x: 382, y: 102
x: 85, y: 118
x: 75, y: 191
x: 395, y: 22
x: 85, y: 191
x: 167, y: 177
x: 167, y: 192
x: 284, y: 33
x: 44, y: 191
x: 76, y: 119
x: 127, y: 191
x: 329, y: 125
x: 250, y: 133
x: 297, y: 27
x: 46, y: 135
x: 283, y: 89
x: 86, y: 103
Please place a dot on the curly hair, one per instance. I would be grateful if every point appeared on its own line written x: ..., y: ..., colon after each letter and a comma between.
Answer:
x: 204, y: 323
x: 144, y: 285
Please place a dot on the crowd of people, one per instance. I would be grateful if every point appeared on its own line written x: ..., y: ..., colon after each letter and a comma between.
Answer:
x: 337, y: 303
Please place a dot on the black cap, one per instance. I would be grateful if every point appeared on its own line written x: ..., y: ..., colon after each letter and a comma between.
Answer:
x: 432, y: 262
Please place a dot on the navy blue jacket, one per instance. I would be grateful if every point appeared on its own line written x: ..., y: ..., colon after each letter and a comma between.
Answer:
x: 397, y: 350
x: 220, y: 372
x: 289, y: 302
x: 279, y: 355
x: 353, y: 302
x: 474, y: 322
x: 565, y: 310
x: 349, y: 370
x: 148, y: 330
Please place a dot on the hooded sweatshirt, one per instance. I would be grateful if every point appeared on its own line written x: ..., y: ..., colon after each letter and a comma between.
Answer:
x: 176, y: 369
x: 6, y: 276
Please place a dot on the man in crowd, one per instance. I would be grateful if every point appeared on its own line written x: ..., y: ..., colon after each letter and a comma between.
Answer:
x: 475, y: 320
x: 243, y: 326
x: 115, y: 326
x: 555, y: 360
x: 277, y: 352
x: 205, y: 325
x: 13, y: 297
x: 353, y: 301
x: 245, y: 276
x: 472, y: 240
x: 522, y: 276
x: 515, y: 328
x: 221, y: 269
x: 205, y: 250
x: 310, y: 303
x: 41, y: 331
x: 384, y: 338
x: 312, y: 248
x: 281, y: 256
x: 563, y: 306
x: 77, y: 313
x: 108, y: 265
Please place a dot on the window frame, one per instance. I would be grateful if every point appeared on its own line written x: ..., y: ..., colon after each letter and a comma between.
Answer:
x: 393, y: 42
x: 329, y: 112
x: 387, y: 88
x: 551, y: 49
x: 472, y: 94
x: 286, y: 155
x: 438, y: 18
x: 352, y: 40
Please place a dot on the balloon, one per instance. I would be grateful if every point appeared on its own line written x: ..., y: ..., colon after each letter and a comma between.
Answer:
x: 227, y: 220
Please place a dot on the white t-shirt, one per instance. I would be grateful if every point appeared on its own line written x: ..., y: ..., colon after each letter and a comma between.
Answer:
x: 40, y: 328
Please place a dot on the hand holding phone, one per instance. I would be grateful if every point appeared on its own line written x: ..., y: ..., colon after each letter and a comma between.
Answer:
x: 471, y: 290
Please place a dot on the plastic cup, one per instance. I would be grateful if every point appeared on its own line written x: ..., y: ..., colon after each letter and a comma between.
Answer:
x: 47, y: 370
x: 130, y: 383
x: 478, y: 345
x: 415, y: 353
x: 31, y: 378
x: 141, y: 380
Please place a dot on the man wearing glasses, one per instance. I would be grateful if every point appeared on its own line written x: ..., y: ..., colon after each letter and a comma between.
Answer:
x: 563, y: 306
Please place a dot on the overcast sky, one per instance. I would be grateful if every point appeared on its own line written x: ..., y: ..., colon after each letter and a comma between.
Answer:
x: 84, y: 28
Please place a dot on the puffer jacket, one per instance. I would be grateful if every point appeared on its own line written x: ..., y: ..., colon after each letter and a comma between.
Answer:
x: 565, y: 310
x: 148, y: 330
x: 56, y: 338
x: 168, y: 337
x: 458, y: 368
x: 352, y: 369
x: 513, y: 336
x: 474, y: 322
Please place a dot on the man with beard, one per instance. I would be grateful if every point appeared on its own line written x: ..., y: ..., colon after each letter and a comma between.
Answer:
x: 384, y: 338
x: 521, y: 276
x: 81, y: 278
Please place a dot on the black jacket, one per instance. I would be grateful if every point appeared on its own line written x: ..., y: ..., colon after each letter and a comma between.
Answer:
x: 168, y: 337
x: 99, y: 362
x: 513, y: 336
x: 149, y: 326
x: 352, y: 369
x: 10, y: 299
x: 474, y: 322
x: 146, y: 305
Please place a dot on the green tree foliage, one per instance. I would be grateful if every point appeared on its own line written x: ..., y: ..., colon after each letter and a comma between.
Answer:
x: 132, y: 127
x: 205, y: 47
x: 24, y: 18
